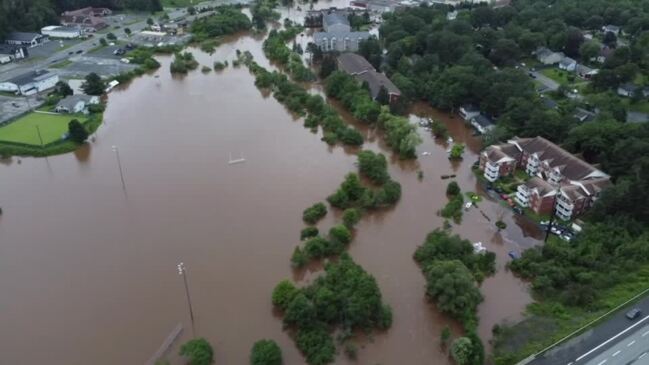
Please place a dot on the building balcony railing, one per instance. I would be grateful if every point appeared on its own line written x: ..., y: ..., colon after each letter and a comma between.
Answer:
x: 522, y: 200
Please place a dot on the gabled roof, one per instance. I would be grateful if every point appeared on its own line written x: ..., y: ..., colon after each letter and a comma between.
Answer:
x: 377, y: 80
x: 70, y: 101
x: 354, y: 64
x: 319, y: 36
x: 8, y: 49
x: 482, y: 120
x: 629, y: 87
x: 30, y: 77
x: 567, y: 61
x: 543, y: 187
x: 23, y: 36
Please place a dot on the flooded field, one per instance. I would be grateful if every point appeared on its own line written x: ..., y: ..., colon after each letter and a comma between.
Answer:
x: 88, y: 270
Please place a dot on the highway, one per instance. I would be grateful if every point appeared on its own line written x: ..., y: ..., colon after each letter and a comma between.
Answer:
x: 600, y: 340
x: 633, y: 349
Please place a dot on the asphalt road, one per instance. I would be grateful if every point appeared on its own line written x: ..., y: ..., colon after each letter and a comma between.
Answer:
x: 582, y: 349
x: 632, y: 350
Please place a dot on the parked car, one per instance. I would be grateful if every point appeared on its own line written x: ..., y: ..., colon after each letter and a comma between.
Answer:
x: 80, y: 51
x: 633, y: 313
x: 513, y: 254
x: 531, y: 74
x: 129, y: 46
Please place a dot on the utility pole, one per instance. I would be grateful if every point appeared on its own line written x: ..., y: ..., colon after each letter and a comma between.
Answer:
x: 119, y: 165
x: 38, y: 130
x: 182, y: 271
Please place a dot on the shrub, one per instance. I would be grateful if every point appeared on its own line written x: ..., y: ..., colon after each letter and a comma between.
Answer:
x: 77, y: 132
x: 299, y: 258
x: 456, y: 152
x: 351, y: 216
x: 452, y: 189
x: 373, y: 166
x: 314, y: 213
x: 199, y: 352
x: 308, y: 232
x: 266, y: 352
x: 316, y: 345
x: 284, y: 293
x: 461, y: 350
x: 339, y: 233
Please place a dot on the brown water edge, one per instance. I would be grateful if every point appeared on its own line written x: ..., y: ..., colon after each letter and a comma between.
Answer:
x: 89, y: 274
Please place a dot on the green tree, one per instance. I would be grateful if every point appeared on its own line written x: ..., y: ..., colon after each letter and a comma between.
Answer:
x: 198, y: 351
x: 191, y: 10
x: 340, y: 234
x: 314, y: 213
x: 382, y: 97
x: 63, y: 89
x: 351, y: 216
x: 374, y: 166
x: 127, y: 31
x: 308, y: 232
x: 284, y: 293
x: 266, y: 352
x: 102, y: 42
x: 149, y: 21
x: 452, y: 189
x: 300, y: 312
x: 445, y: 336
x: 327, y: 66
x: 111, y: 36
x: 589, y: 50
x: 454, y: 289
x: 93, y: 85
x: 77, y: 132
x: 461, y: 350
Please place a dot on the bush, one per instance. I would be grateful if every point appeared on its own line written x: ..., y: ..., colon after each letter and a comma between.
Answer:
x: 351, y: 216
x: 218, y: 66
x: 317, y: 247
x: 456, y: 152
x: 266, y: 352
x: 205, y: 69
x: 77, y: 132
x: 314, y: 213
x: 199, y: 352
x: 308, y: 232
x: 453, y: 208
x: 299, y: 258
x: 439, y: 130
x: 316, y: 345
x: 461, y: 350
x: 339, y: 233
x: 452, y: 189
x: 284, y: 293
x: 374, y: 166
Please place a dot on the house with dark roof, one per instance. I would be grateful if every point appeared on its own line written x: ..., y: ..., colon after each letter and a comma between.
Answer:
x: 9, y: 53
x: 357, y: 66
x: 482, y: 123
x: 560, y: 181
x: 25, y: 39
x: 30, y: 83
x: 627, y: 90
x: 585, y: 72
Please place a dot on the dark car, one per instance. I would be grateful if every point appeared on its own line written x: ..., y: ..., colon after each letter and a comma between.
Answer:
x: 633, y: 313
x: 532, y: 75
x: 70, y: 53
x: 79, y: 51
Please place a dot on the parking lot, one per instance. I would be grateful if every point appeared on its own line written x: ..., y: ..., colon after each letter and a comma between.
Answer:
x: 103, y: 66
x: 11, y: 107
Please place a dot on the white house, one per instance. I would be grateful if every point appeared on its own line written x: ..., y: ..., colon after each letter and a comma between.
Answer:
x: 25, y: 39
x: 75, y: 103
x: 568, y: 64
x: 66, y: 32
x: 482, y: 123
x: 611, y: 29
x: 547, y: 57
x: 10, y: 53
x: 30, y: 83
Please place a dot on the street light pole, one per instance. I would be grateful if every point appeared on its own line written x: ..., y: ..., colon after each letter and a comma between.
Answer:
x: 182, y: 271
x: 119, y: 164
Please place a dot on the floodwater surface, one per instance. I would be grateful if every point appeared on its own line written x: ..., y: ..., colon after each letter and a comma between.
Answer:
x: 88, y: 270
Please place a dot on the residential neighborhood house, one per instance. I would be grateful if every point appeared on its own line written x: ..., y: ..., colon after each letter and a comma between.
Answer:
x: 482, y: 123
x: 357, y: 66
x: 66, y: 32
x: 469, y: 111
x: 25, y: 39
x: 548, y: 57
x: 337, y: 35
x: 9, y: 53
x: 30, y: 83
x: 568, y: 64
x: 611, y: 29
x: 75, y: 103
x: 559, y: 182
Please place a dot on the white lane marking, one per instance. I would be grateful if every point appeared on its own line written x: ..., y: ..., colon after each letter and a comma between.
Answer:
x: 643, y: 355
x: 602, y: 362
x: 616, y: 353
x: 613, y: 338
x: 630, y: 343
x: 646, y: 333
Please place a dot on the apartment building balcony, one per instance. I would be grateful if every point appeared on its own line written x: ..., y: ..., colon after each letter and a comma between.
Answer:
x: 522, y: 196
x: 491, y: 172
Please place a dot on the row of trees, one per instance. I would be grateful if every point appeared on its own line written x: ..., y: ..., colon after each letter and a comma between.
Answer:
x: 345, y: 298
x: 453, y: 272
x: 198, y: 351
x: 316, y: 111
x: 276, y: 50
x: 401, y: 135
x: 183, y: 63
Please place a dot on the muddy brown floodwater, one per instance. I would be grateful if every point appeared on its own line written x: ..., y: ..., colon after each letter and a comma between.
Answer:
x: 88, y: 273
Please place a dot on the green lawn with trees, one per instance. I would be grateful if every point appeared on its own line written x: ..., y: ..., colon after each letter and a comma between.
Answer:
x: 226, y: 20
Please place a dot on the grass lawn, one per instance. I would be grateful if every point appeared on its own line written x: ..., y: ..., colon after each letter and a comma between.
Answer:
x: 557, y: 75
x: 178, y: 3
x: 642, y: 106
x: 61, y: 64
x: 23, y: 130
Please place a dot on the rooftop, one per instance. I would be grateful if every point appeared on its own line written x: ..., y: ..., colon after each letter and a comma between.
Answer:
x: 377, y: 80
x: 354, y: 64
x: 483, y: 121
x: 335, y: 18
x: 31, y: 76
x: 71, y: 100
x: 23, y: 36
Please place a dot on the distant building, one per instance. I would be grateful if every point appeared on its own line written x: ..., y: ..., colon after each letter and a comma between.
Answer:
x: 313, y: 19
x: 25, y: 39
x: 9, y: 53
x: 66, y: 32
x: 482, y: 123
x: 583, y: 115
x: 339, y: 41
x: 89, y: 18
x: 611, y: 29
x: 376, y: 6
x: 357, y: 66
x: 627, y: 90
x: 30, y: 82
x: 75, y: 103
x: 559, y: 182
x: 336, y: 21
x: 547, y: 57
x: 585, y: 72
x: 568, y: 64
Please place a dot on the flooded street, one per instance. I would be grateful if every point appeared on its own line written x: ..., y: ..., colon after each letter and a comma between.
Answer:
x: 88, y: 271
